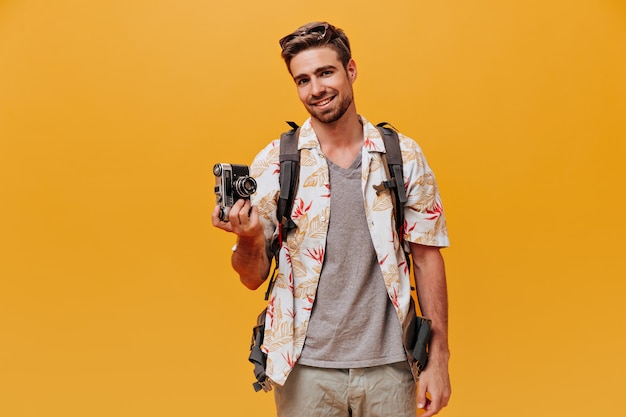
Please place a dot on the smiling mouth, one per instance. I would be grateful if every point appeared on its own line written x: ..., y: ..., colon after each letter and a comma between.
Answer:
x: 323, y: 102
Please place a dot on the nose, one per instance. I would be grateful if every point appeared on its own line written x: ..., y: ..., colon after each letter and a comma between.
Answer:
x: 317, y: 87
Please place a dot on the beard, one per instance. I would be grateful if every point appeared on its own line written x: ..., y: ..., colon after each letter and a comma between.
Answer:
x: 335, y: 112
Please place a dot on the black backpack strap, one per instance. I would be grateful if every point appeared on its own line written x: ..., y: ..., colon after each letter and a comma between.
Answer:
x: 393, y: 167
x: 257, y: 357
x: 288, y: 178
x: 289, y: 159
x: 289, y: 172
x: 419, y: 328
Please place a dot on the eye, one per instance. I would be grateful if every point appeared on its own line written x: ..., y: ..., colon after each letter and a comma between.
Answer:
x: 302, y: 81
x: 326, y: 73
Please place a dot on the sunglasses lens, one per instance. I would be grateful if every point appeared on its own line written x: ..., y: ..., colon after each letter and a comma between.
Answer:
x: 321, y: 30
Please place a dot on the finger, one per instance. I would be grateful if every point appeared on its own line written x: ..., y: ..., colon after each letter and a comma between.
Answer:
x: 215, y: 216
x: 254, y: 214
x: 233, y: 214
x: 432, y: 407
x: 243, y: 215
x: 445, y: 399
x: 421, y: 395
x: 248, y: 207
x: 219, y: 223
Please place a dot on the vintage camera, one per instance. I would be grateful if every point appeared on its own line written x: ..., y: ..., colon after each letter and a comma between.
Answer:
x: 232, y: 182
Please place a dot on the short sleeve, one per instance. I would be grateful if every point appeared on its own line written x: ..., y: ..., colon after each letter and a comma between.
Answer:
x: 424, y: 218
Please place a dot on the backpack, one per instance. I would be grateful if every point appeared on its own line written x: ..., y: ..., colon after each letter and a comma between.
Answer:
x: 419, y: 328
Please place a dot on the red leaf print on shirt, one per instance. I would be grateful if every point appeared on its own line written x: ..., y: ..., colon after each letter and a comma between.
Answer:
x: 435, y: 211
x: 394, y: 298
x: 289, y: 359
x: 404, y: 266
x: 270, y: 311
x: 327, y: 186
x: 277, y: 169
x: 317, y: 254
x: 408, y: 229
x: 300, y: 209
x: 310, y: 299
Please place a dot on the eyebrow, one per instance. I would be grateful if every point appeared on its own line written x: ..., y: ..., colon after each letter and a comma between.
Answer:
x: 317, y: 71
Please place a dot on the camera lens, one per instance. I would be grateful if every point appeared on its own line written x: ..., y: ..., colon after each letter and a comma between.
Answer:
x: 245, y: 186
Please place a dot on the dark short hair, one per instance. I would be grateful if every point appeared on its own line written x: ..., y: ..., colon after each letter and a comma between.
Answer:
x: 309, y: 36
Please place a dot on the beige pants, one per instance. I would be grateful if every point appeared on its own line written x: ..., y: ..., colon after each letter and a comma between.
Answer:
x: 380, y: 391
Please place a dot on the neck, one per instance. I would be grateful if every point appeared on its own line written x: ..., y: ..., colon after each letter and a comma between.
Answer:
x: 345, y: 132
x: 340, y: 141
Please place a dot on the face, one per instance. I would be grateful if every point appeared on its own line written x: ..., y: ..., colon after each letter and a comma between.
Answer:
x: 324, y: 85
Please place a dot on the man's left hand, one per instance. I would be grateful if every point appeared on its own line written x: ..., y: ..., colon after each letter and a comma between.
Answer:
x: 433, y: 392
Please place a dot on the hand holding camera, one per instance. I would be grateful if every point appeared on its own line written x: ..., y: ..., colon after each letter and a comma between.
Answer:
x: 232, y: 183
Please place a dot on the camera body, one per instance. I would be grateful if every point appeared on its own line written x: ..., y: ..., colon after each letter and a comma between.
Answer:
x: 232, y: 182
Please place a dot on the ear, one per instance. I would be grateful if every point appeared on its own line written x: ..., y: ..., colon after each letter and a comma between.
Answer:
x: 351, y: 70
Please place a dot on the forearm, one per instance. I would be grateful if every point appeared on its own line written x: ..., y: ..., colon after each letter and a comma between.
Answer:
x: 250, y: 261
x: 432, y: 291
x: 249, y: 258
x: 430, y: 278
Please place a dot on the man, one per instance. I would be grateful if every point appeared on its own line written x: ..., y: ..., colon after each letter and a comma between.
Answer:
x: 334, y: 321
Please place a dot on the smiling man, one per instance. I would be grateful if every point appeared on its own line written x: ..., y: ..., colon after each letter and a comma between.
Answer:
x: 335, y: 320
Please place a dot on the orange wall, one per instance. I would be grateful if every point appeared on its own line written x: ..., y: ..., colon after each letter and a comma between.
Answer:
x: 116, y: 294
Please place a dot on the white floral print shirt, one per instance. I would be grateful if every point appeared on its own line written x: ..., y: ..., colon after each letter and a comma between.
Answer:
x: 302, y: 255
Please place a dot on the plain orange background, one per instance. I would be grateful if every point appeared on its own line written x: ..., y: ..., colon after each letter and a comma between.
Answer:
x: 116, y: 294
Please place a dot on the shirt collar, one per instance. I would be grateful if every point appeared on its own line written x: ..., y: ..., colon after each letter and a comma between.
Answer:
x: 373, y: 142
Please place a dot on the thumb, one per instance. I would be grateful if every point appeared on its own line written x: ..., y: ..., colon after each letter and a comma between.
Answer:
x: 215, y: 215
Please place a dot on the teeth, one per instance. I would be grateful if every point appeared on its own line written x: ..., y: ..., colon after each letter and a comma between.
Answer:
x: 323, y: 103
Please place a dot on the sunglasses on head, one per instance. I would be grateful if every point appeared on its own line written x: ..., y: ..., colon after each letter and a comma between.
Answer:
x: 319, y: 30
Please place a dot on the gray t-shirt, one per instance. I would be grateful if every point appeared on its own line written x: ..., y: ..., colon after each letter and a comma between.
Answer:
x: 353, y: 323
